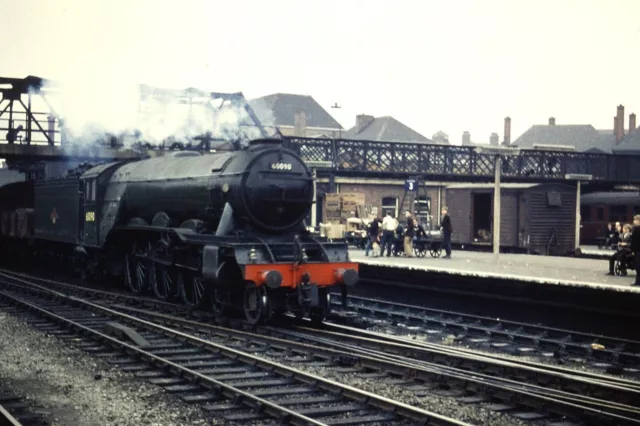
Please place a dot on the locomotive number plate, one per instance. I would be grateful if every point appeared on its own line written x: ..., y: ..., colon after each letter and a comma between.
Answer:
x: 90, y: 216
x: 281, y: 166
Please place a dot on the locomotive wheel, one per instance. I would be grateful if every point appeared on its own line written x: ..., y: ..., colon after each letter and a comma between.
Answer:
x: 163, y: 281
x: 191, y: 288
x: 136, y: 269
x: 256, y: 305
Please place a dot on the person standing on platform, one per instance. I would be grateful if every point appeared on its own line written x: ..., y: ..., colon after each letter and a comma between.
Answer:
x: 409, y: 233
x: 374, y: 233
x: 388, y: 229
x: 635, y: 246
x: 447, y: 229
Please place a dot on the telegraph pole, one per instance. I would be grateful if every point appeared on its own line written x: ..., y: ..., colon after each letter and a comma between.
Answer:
x: 578, y: 178
x: 497, y: 153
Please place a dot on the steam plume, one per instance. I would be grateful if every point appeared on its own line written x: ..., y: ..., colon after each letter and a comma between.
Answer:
x: 91, y: 109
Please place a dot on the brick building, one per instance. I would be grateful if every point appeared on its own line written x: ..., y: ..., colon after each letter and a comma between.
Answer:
x: 387, y: 194
x: 581, y: 137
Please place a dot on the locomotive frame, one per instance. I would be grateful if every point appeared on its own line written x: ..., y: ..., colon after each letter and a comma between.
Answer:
x: 222, y: 231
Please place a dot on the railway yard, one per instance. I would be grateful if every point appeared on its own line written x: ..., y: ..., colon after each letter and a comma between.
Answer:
x: 433, y: 353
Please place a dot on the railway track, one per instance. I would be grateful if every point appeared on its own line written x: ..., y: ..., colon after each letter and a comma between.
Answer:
x: 375, y: 360
x: 6, y: 418
x: 227, y: 379
x: 469, y: 377
x: 616, y: 356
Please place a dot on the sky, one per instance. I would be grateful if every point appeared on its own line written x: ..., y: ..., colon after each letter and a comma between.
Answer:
x: 434, y: 65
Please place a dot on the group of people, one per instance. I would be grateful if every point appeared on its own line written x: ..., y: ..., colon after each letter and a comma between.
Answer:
x: 382, y: 233
x: 626, y: 239
x: 613, y: 234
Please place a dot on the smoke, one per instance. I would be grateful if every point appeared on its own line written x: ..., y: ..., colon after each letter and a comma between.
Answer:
x: 91, y: 110
x: 264, y: 111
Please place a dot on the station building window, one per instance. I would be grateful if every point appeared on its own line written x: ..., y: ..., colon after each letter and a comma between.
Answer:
x: 390, y: 204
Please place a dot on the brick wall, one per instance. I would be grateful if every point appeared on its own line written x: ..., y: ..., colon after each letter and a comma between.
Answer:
x: 375, y: 193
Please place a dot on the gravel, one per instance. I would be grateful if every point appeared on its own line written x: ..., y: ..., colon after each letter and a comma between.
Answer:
x: 473, y: 414
x: 77, y: 389
x: 452, y: 340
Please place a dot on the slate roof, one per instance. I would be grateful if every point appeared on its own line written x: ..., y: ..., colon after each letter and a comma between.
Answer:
x: 279, y: 109
x: 584, y: 137
x: 630, y: 144
x: 386, y: 129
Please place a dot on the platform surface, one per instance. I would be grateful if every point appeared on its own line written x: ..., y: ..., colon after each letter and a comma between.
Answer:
x: 595, y: 251
x: 539, y: 269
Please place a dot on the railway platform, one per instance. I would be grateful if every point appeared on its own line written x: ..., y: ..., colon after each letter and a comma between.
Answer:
x: 561, y: 281
x: 594, y: 252
x: 567, y: 271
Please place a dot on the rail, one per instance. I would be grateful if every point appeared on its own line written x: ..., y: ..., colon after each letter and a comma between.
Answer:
x: 6, y: 419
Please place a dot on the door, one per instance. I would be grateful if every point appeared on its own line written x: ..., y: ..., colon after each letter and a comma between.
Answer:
x: 90, y: 212
x: 482, y: 218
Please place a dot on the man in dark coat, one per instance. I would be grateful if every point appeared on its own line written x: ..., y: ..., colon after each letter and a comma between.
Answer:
x: 447, y: 229
x: 374, y: 234
x: 635, y: 246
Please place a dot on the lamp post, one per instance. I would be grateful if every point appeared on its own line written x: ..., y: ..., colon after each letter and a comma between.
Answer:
x: 336, y: 106
x: 314, y: 165
x: 497, y: 153
x: 578, y: 178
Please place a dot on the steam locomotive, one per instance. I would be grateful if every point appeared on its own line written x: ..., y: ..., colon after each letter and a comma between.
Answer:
x: 220, y: 231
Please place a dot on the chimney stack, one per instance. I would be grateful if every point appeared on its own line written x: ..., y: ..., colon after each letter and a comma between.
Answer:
x: 632, y: 122
x: 552, y: 121
x: 300, y: 124
x: 615, y: 124
x: 620, y: 124
x: 507, y: 131
x: 363, y: 121
x: 494, y: 139
x: 466, y: 138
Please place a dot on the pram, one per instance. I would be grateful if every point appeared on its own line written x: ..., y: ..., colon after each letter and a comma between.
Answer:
x: 627, y: 263
x: 423, y: 242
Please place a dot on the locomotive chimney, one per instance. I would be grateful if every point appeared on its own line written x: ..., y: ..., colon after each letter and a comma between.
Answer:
x: 632, y: 122
x: 552, y: 121
x: 362, y: 121
x: 507, y: 131
x: 466, y: 138
x: 300, y: 123
x: 620, y: 126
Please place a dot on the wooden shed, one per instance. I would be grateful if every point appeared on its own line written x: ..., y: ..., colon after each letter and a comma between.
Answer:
x: 536, y: 218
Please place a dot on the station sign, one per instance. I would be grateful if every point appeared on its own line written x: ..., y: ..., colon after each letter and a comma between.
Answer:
x: 410, y: 185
